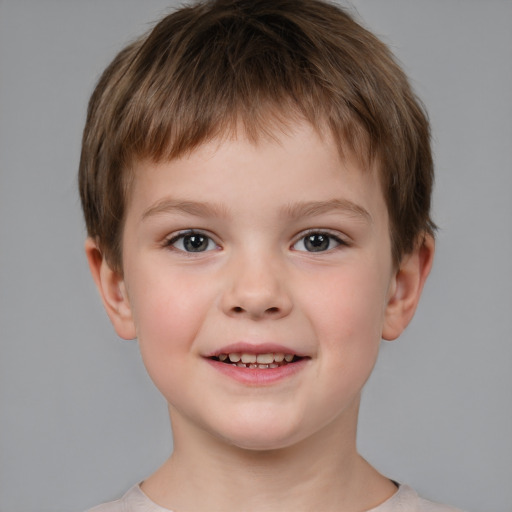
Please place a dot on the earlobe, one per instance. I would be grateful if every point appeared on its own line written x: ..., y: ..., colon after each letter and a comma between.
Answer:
x: 406, y: 288
x: 112, y: 289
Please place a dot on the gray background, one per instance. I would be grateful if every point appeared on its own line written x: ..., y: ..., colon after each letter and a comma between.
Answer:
x: 79, y: 420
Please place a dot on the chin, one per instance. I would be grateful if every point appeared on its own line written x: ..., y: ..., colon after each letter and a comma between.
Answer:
x: 261, y: 436
x: 261, y: 445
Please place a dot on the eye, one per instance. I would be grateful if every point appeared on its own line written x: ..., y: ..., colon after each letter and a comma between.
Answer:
x: 192, y: 242
x: 317, y: 242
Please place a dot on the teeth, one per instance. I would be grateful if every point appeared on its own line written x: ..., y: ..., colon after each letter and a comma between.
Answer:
x: 248, y: 358
x: 265, y: 358
x: 245, y: 360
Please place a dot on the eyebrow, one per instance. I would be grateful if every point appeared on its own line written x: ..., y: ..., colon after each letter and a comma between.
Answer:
x: 202, y: 209
x: 312, y: 208
x: 292, y: 210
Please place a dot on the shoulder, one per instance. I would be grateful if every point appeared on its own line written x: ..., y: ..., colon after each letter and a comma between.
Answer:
x: 407, y: 500
x: 133, y: 501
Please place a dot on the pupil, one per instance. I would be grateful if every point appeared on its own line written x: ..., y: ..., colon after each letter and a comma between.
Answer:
x: 195, y: 243
x: 315, y: 243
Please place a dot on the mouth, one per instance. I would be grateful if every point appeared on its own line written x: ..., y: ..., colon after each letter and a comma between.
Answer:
x: 263, y: 361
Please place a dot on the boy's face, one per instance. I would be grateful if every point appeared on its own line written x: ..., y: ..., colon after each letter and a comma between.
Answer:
x: 275, y: 247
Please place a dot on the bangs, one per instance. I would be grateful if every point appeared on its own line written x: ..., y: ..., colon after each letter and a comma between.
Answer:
x: 234, y: 76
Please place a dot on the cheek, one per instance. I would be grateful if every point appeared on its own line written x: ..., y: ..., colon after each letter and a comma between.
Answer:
x: 348, y: 316
x: 168, y: 315
x: 349, y: 305
x: 350, y: 319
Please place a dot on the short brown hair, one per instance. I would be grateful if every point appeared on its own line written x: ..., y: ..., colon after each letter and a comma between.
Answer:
x: 209, y: 68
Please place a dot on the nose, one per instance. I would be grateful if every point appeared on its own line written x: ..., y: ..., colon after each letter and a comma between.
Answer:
x: 256, y: 288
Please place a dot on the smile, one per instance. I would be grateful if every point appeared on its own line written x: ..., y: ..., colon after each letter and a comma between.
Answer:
x: 257, y: 361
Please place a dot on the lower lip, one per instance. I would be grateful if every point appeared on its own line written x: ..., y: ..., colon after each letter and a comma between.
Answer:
x: 257, y: 376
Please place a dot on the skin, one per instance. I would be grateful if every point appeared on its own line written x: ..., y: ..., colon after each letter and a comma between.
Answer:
x: 289, y: 444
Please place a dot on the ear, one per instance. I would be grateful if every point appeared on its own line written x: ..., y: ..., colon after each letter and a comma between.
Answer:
x: 112, y: 291
x: 406, y: 287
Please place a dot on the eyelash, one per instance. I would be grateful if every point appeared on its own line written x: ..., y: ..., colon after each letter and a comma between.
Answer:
x: 170, y: 242
x: 315, y: 232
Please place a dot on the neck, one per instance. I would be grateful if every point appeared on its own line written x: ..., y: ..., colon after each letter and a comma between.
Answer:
x: 323, y: 472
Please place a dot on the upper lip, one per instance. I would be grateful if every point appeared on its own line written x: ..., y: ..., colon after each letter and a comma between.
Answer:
x: 255, y: 348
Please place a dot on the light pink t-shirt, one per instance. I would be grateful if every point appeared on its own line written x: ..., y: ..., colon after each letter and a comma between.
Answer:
x: 404, y: 500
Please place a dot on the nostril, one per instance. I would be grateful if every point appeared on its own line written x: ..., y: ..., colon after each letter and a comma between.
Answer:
x: 272, y: 310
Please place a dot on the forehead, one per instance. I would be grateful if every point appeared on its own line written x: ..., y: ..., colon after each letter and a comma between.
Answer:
x: 298, y: 163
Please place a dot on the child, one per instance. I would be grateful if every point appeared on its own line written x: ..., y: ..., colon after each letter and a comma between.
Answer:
x: 256, y: 179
